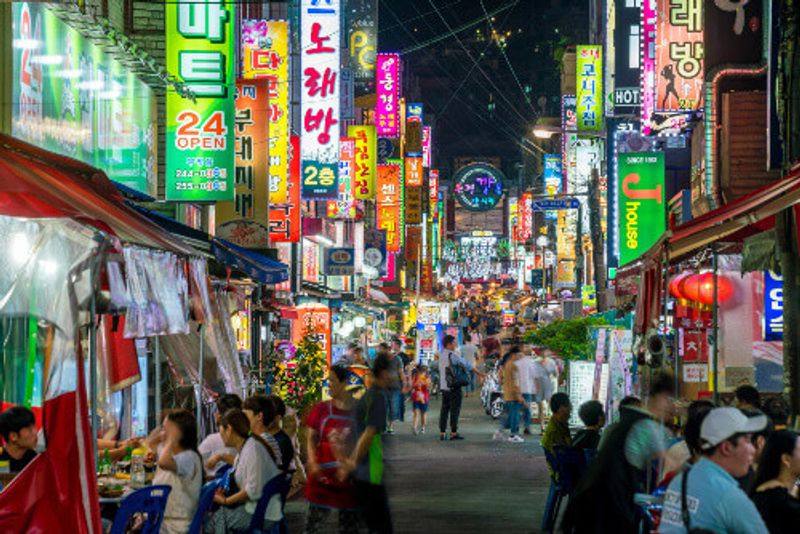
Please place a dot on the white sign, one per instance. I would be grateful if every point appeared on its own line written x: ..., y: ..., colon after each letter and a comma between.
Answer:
x: 320, y: 104
x: 581, y: 387
x: 695, y: 372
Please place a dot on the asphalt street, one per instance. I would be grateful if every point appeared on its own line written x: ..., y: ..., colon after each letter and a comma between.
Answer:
x: 472, y: 486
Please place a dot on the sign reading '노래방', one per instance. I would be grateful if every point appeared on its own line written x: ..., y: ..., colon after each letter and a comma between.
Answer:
x: 641, y: 203
x: 200, y: 131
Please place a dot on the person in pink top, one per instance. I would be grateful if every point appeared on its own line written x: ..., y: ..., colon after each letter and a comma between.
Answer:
x: 420, y: 396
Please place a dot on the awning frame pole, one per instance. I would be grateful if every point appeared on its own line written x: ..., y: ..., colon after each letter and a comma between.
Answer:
x: 93, y: 357
x: 199, y: 411
x: 157, y: 379
x: 715, y: 380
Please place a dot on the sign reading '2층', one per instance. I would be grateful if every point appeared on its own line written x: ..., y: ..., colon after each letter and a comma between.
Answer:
x: 320, y: 103
x: 200, y: 133
x: 641, y: 203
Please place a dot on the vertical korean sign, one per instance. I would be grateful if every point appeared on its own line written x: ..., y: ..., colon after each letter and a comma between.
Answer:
x: 648, y: 58
x: 641, y: 203
x: 363, y: 43
x: 426, y: 146
x: 265, y: 54
x: 320, y: 51
x: 552, y: 181
x: 200, y: 136
x: 387, y: 204
x: 387, y: 104
x: 414, y: 171
x: 284, y: 219
x: 244, y: 221
x: 679, y: 55
x: 344, y: 207
x: 590, y: 87
x: 366, y: 154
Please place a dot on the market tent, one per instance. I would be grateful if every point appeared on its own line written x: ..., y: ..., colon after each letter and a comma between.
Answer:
x: 37, y: 183
x: 255, y: 265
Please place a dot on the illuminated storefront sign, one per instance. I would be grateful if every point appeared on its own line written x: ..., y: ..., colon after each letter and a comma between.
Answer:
x: 69, y: 97
x: 320, y: 60
x: 366, y: 152
x: 478, y: 187
x: 344, y: 207
x: 525, y: 217
x: 553, y: 180
x: 387, y: 103
x: 413, y: 205
x: 627, y: 59
x: 513, y: 218
x: 433, y: 182
x: 641, y: 203
x: 414, y: 112
x: 773, y: 306
x: 363, y: 17
x: 426, y: 146
x: 414, y: 172
x: 648, y: 58
x: 200, y: 133
x: 285, y: 219
x: 316, y: 319
x: 244, y: 221
x: 265, y: 53
x: 679, y: 55
x: 590, y: 87
x: 388, y: 204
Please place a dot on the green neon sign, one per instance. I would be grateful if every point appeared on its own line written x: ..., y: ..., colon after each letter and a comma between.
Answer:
x: 641, y: 203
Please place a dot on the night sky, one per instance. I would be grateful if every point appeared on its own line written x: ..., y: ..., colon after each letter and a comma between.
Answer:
x: 483, y: 110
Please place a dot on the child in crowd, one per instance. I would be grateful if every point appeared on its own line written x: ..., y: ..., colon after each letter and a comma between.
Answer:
x: 420, y: 396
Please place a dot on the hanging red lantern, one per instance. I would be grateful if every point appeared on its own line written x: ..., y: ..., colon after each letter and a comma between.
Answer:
x: 674, y: 285
x: 706, y: 289
x: 689, y: 287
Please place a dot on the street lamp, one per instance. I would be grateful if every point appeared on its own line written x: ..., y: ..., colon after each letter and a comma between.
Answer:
x: 547, y: 127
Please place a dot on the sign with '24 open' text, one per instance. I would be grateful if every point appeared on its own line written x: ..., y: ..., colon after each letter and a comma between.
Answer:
x: 641, y: 203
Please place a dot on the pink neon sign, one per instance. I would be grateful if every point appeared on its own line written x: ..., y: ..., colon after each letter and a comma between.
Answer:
x: 387, y: 105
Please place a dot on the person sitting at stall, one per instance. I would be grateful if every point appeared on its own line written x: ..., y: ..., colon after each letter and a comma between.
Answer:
x: 593, y: 416
x: 283, y: 439
x: 212, y: 446
x: 253, y: 468
x: 18, y: 428
x: 261, y: 412
x: 179, y: 467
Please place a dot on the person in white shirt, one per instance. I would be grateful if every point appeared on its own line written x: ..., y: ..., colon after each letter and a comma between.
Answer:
x: 180, y: 467
x: 253, y: 468
x: 260, y: 411
x: 213, y: 445
x: 469, y: 352
x: 528, y: 386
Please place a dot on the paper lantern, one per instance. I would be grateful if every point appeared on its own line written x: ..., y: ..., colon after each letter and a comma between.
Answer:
x: 689, y: 287
x: 674, y: 285
x: 706, y: 290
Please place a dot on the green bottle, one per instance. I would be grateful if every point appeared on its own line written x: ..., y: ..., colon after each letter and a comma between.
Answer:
x: 105, y: 464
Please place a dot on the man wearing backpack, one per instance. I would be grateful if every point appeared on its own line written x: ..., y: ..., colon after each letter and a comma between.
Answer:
x: 453, y: 376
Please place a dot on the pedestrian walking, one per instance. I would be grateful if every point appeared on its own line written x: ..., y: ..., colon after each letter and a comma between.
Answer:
x: 512, y: 397
x: 450, y: 365
x: 529, y: 387
x: 366, y: 462
x: 543, y: 386
x: 775, y: 495
x: 395, y: 388
x: 706, y: 496
x: 470, y: 354
x: 330, y: 429
x: 421, y: 395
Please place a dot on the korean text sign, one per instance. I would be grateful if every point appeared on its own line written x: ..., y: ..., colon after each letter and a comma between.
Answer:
x: 387, y: 104
x: 265, y: 54
x: 590, y: 87
x: 320, y: 60
x: 366, y: 154
x: 344, y: 207
x: 553, y: 180
x: 200, y: 133
x: 679, y: 55
x: 641, y: 203
x: 387, y: 204
x: 285, y: 219
x: 112, y: 128
x: 773, y: 306
x: 250, y: 183
x: 414, y: 171
x: 426, y: 146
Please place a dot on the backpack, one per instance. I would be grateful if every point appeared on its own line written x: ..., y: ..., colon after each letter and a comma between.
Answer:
x: 456, y: 375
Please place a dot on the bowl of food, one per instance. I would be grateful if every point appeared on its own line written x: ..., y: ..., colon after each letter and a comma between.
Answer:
x: 111, y: 491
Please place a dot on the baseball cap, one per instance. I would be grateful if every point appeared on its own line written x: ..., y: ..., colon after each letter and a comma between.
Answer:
x: 722, y: 423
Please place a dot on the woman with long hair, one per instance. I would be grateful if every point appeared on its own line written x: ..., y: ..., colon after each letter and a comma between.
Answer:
x: 180, y: 467
x: 776, y: 493
x: 253, y: 467
x: 330, y: 437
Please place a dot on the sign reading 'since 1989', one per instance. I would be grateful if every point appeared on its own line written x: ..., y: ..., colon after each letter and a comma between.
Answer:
x: 641, y: 203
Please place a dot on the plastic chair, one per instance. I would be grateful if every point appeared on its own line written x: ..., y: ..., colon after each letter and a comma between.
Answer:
x: 278, y: 485
x: 150, y: 502
x: 204, y: 505
x: 567, y: 464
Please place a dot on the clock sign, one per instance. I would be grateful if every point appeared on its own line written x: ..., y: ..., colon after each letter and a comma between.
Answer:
x: 478, y: 186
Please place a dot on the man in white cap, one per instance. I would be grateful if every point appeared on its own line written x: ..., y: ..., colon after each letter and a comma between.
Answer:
x: 710, y: 498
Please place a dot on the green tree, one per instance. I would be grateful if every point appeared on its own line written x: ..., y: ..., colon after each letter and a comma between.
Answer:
x: 298, y: 379
x: 567, y: 338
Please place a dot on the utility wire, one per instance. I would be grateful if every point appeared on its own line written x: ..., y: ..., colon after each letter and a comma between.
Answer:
x: 418, y: 17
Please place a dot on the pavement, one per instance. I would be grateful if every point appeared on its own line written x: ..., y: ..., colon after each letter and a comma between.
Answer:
x: 472, y: 486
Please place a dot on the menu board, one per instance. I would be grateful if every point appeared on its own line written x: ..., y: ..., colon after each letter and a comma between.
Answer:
x: 581, y: 387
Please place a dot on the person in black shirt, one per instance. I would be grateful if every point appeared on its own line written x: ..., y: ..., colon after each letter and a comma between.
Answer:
x: 594, y: 419
x: 18, y: 428
x: 775, y: 494
x: 283, y: 439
